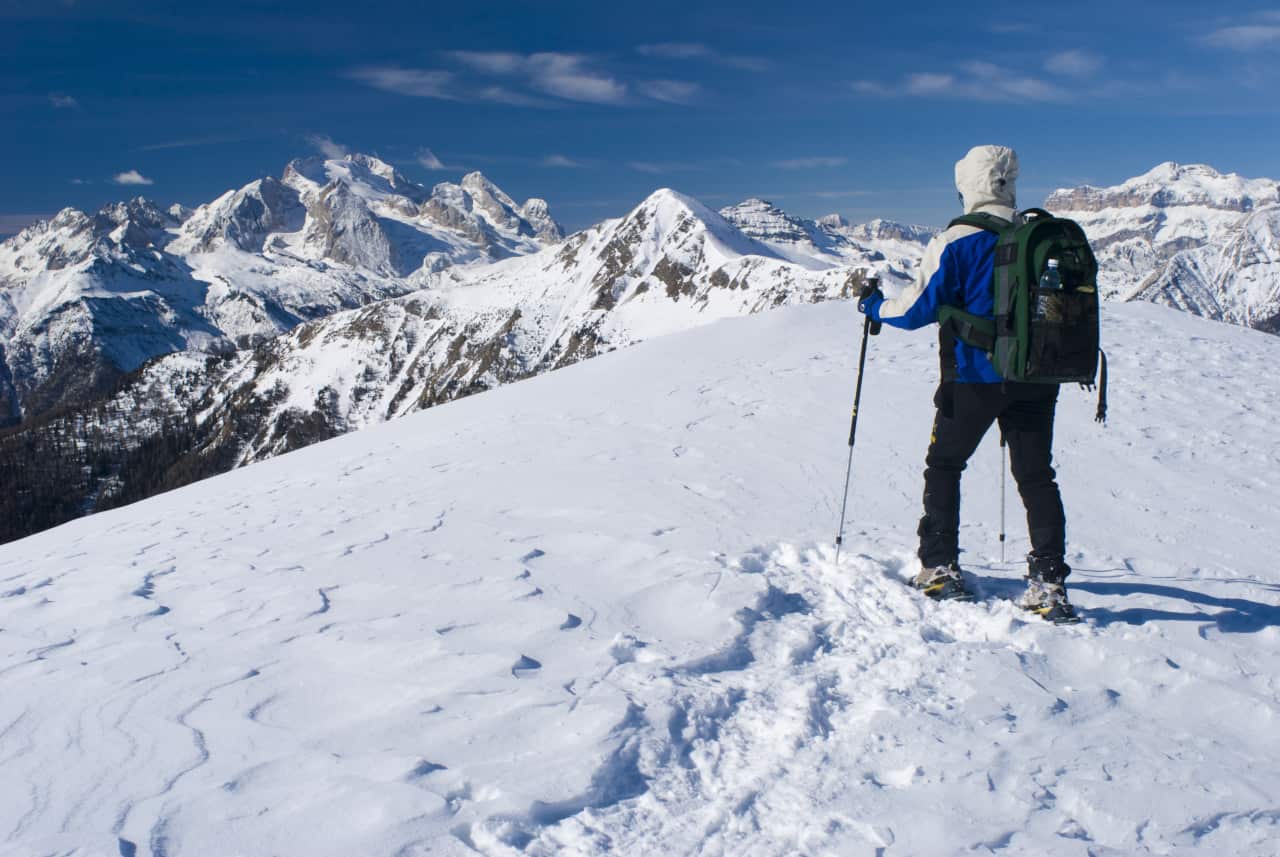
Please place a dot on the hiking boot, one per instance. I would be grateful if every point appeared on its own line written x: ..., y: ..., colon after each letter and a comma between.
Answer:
x: 1048, y: 601
x: 942, y: 583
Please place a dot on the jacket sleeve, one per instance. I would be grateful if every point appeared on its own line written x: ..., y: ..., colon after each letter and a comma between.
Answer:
x: 936, y: 284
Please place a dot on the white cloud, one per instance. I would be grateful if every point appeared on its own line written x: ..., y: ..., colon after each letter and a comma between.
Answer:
x: 491, y: 62
x: 567, y: 76
x: 811, y: 163
x: 1074, y: 63
x: 699, y: 51
x: 131, y: 177
x: 670, y: 91
x: 676, y: 50
x: 928, y: 83
x: 325, y: 146
x: 428, y: 159
x: 191, y: 142
x: 417, y: 83
x: 63, y: 102
x: 870, y: 87
x: 560, y: 161
x: 1245, y: 37
x: 973, y: 81
x: 657, y: 168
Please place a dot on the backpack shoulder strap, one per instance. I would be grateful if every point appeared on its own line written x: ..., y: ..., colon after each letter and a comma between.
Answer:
x: 981, y: 220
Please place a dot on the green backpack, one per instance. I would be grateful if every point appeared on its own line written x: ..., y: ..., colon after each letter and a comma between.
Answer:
x: 1057, y: 345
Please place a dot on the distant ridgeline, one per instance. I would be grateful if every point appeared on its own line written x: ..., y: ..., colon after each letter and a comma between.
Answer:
x: 342, y: 294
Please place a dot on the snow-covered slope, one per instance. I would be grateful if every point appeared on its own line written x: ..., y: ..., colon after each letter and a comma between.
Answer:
x: 597, y: 613
x: 1138, y: 226
x: 85, y: 298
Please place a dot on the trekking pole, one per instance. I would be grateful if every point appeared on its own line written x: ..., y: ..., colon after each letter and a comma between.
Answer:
x: 872, y: 328
x: 1003, y: 481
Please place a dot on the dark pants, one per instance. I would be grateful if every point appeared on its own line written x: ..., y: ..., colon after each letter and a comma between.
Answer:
x: 965, y: 412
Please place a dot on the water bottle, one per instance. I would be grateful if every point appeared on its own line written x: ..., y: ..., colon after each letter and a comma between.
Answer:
x: 1049, y: 302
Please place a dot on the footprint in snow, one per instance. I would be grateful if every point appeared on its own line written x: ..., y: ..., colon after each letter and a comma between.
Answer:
x: 570, y: 623
x: 525, y: 666
x: 423, y: 768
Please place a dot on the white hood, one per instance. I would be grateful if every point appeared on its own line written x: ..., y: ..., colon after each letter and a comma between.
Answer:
x: 985, y: 178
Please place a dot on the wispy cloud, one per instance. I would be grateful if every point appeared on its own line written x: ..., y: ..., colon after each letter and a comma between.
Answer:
x: 63, y: 102
x: 671, y: 91
x: 1245, y: 33
x: 1244, y: 37
x: 191, y: 142
x: 811, y: 163
x: 325, y: 145
x: 567, y: 76
x: 660, y: 167
x: 702, y: 52
x: 545, y: 79
x: 414, y: 82
x: 428, y: 159
x: 131, y: 177
x: 1074, y: 63
x: 561, y: 161
x: 974, y: 81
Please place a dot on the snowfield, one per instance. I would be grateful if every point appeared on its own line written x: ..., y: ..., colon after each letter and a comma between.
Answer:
x: 598, y: 612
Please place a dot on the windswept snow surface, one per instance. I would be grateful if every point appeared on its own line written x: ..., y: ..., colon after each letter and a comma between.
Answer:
x: 598, y: 613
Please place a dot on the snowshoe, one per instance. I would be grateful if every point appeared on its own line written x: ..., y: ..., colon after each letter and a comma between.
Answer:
x: 943, y: 583
x: 1049, y: 602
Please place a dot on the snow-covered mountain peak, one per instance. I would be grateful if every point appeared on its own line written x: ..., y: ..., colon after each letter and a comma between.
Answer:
x: 243, y: 218
x: 668, y: 219
x: 764, y: 221
x: 890, y: 230
x: 538, y: 213
x: 1171, y: 184
x: 831, y: 241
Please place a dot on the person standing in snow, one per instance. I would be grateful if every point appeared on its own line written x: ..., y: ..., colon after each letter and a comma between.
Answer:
x: 957, y: 270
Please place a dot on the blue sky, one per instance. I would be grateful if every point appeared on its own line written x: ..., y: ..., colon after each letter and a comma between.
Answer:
x: 857, y: 108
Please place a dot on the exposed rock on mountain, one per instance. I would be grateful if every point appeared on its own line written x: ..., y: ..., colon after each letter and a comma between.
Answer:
x: 1237, y: 281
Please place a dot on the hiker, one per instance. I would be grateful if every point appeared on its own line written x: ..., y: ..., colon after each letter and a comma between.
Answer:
x: 957, y: 271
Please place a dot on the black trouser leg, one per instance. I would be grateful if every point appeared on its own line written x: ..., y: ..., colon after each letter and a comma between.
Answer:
x: 1025, y: 413
x: 1027, y: 424
x: 955, y: 436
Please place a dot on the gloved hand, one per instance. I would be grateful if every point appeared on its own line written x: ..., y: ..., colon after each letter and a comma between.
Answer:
x: 869, y: 303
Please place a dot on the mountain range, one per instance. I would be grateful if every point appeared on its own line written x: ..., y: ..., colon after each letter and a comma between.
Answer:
x: 86, y: 298
x: 343, y: 294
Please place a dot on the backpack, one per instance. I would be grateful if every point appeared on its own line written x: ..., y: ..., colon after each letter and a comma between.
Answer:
x: 1061, y: 346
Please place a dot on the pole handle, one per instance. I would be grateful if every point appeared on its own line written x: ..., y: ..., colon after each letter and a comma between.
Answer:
x: 869, y: 287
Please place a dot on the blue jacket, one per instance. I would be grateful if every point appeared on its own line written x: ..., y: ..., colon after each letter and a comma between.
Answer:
x: 956, y: 270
